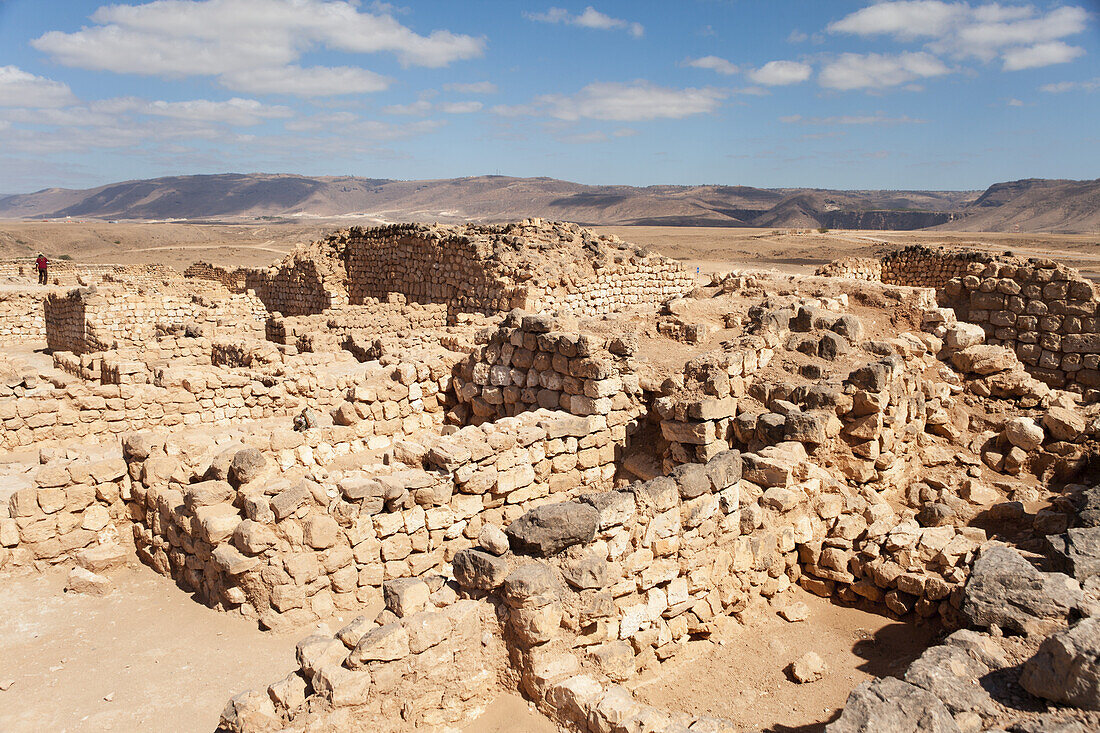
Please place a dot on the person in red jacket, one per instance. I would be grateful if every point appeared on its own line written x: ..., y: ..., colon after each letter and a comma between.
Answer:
x: 41, y: 264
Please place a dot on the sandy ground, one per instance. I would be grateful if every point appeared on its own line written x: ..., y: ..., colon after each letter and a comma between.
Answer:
x: 743, y: 677
x: 716, y: 248
x: 146, y: 657
x: 258, y: 244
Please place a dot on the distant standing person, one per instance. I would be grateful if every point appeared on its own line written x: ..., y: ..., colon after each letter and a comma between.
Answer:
x: 42, y: 263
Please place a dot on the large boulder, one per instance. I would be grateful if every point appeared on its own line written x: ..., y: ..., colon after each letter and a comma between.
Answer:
x: 549, y: 529
x: 477, y: 569
x: 1023, y: 433
x: 951, y: 674
x: 888, y: 704
x: 1006, y: 590
x: 1079, y: 551
x: 963, y: 335
x: 1064, y: 424
x: 1066, y: 669
x: 983, y: 359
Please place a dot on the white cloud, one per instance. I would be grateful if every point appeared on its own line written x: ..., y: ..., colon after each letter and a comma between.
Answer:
x: 639, y: 100
x: 19, y: 88
x: 797, y: 36
x: 477, y: 87
x: 419, y: 107
x: 625, y: 132
x: 235, y: 112
x: 1041, y: 54
x: 251, y: 45
x: 713, y: 63
x: 316, y: 81
x: 878, y: 71
x: 1018, y: 34
x: 461, y: 108
x: 781, y: 73
x: 875, y: 119
x: 907, y: 19
x: 1062, y: 87
x: 590, y: 18
x: 1014, y: 103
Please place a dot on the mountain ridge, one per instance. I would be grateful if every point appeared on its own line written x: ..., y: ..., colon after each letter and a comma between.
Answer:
x: 1048, y: 205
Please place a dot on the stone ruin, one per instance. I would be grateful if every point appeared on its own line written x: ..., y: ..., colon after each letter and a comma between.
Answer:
x: 557, y: 459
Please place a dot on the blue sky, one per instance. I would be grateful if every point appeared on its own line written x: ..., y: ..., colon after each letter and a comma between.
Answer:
x: 930, y: 94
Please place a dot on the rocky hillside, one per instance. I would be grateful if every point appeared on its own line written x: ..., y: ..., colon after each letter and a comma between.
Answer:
x: 1055, y: 206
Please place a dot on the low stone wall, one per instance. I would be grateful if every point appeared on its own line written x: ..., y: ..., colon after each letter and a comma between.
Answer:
x: 192, y: 395
x: 88, y: 320
x: 272, y: 544
x: 630, y: 282
x: 327, y: 331
x: 22, y: 316
x: 534, y: 362
x: 68, y: 273
x: 1045, y: 312
x: 68, y: 507
x: 853, y: 268
x: 919, y: 266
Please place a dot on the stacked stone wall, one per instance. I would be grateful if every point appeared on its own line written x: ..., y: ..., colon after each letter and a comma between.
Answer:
x: 534, y: 362
x: 66, y: 508
x: 274, y: 544
x: 426, y: 269
x: 1044, y: 311
x: 647, y: 282
x: 91, y: 320
x: 928, y: 268
x: 328, y: 331
x: 853, y: 268
x: 22, y: 316
x: 192, y: 395
x: 68, y: 273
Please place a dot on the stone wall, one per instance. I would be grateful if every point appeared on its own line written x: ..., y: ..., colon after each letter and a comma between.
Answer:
x: 192, y: 395
x: 66, y: 508
x: 919, y: 266
x: 69, y: 273
x: 534, y: 362
x: 426, y: 268
x: 265, y: 539
x: 22, y: 316
x: 329, y: 330
x: 92, y: 319
x: 1045, y: 312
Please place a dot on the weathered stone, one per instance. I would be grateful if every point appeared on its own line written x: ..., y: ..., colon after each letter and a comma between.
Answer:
x: 492, y: 539
x: 383, y: 644
x: 87, y: 582
x: 1066, y: 669
x: 888, y: 704
x: 405, y: 596
x: 1024, y: 433
x: 480, y: 570
x: 1007, y: 591
x: 247, y: 465
x: 549, y: 529
x: 810, y: 667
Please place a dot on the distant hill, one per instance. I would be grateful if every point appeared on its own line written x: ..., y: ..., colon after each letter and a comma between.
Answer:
x: 1055, y: 206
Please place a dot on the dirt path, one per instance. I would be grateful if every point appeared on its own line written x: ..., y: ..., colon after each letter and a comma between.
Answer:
x: 149, y: 658
x: 145, y: 657
x: 743, y: 679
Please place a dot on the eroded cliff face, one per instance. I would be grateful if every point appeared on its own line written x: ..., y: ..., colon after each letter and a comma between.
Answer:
x: 889, y: 220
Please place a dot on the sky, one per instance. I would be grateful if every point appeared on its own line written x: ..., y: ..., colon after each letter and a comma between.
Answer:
x: 911, y: 94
